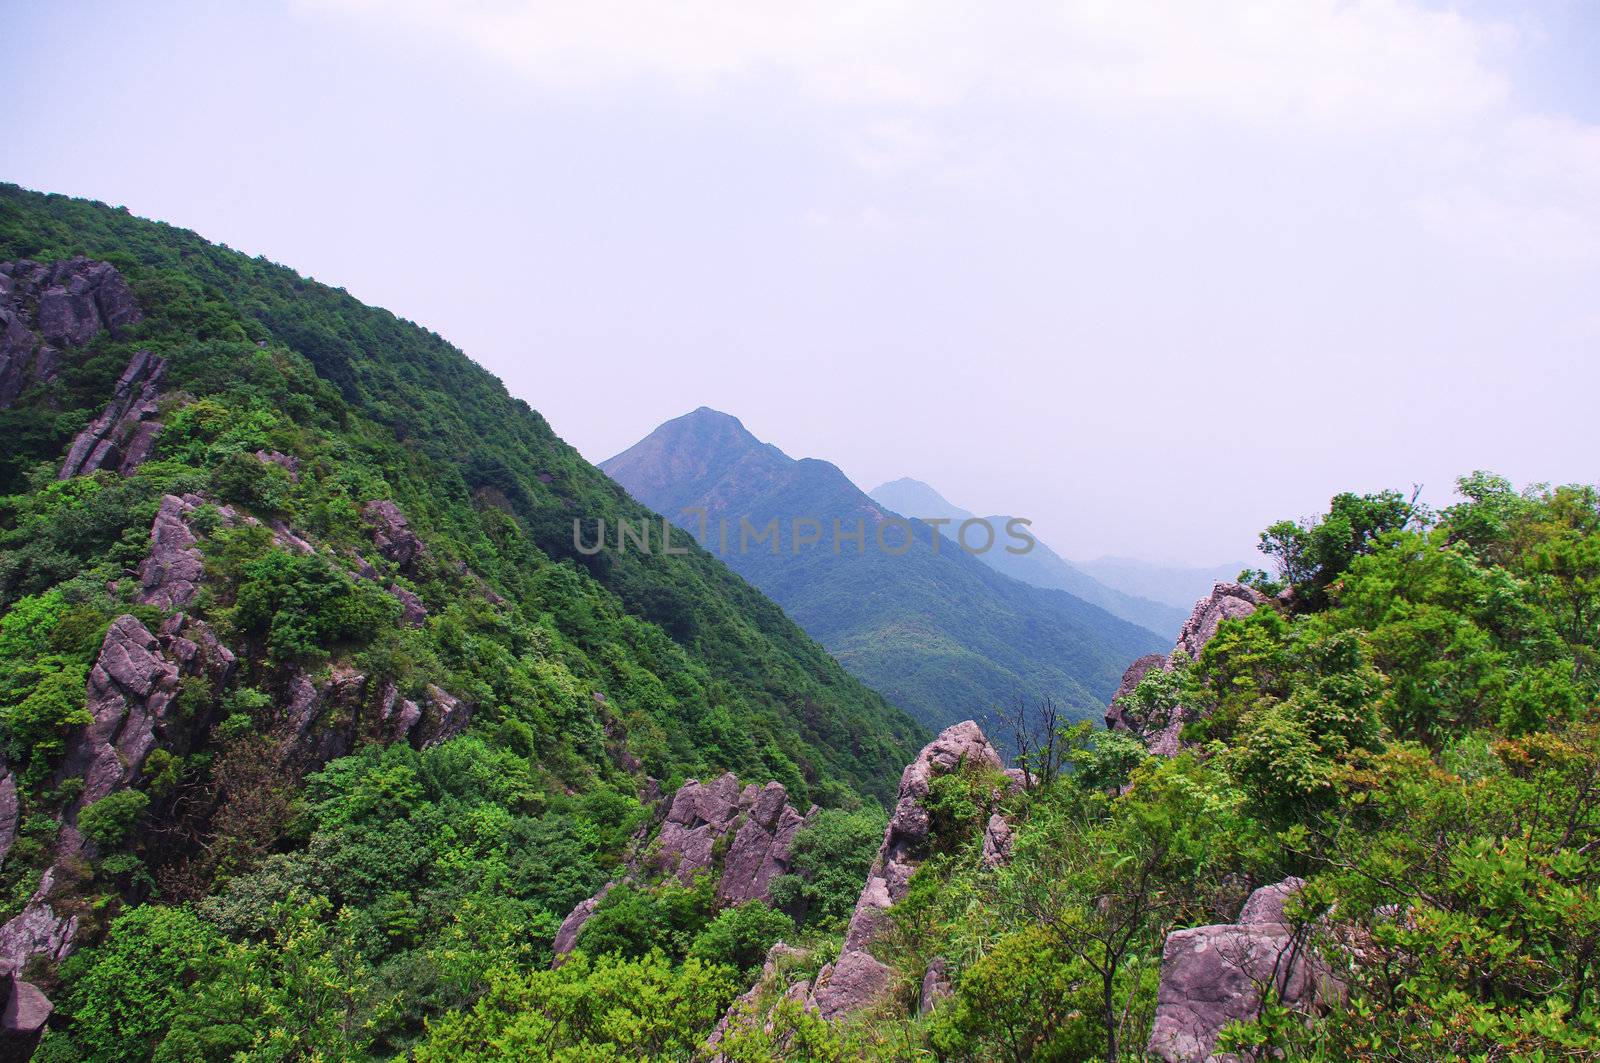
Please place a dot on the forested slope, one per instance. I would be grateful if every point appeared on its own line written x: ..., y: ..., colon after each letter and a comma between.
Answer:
x: 306, y: 698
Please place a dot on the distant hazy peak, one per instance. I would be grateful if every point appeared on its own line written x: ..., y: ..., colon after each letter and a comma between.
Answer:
x: 913, y: 498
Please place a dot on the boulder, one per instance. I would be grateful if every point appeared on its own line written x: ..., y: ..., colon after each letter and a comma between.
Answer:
x: 758, y: 821
x: 567, y: 934
x: 1226, y: 601
x: 1214, y: 975
x: 46, y: 306
x: 22, y: 1018
x: 997, y: 838
x: 36, y: 931
x: 8, y: 809
x: 287, y: 462
x: 412, y: 611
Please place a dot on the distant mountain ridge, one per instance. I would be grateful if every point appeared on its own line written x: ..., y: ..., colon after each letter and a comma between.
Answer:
x: 938, y: 632
x: 1040, y: 566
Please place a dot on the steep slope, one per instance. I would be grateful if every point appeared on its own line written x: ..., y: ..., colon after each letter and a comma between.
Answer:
x: 937, y: 631
x: 299, y: 663
x: 1040, y: 566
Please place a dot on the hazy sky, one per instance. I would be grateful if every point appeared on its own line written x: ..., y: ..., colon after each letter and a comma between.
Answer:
x: 1151, y: 274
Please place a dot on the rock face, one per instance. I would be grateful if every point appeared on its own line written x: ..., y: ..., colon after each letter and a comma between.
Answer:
x: 762, y: 825
x: 936, y: 987
x: 36, y: 931
x: 1214, y: 975
x: 997, y: 837
x: 412, y: 611
x: 567, y: 935
x: 8, y: 809
x: 170, y: 575
x: 392, y: 535
x: 45, y: 306
x: 1226, y: 601
x: 125, y: 433
x: 857, y: 979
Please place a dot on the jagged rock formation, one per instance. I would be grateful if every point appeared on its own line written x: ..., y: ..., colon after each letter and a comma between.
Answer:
x: 997, y: 839
x: 1214, y: 975
x: 45, y: 306
x: 760, y: 820
x: 752, y: 827
x: 858, y: 979
x: 412, y: 611
x: 170, y: 575
x: 1226, y: 601
x: 125, y: 433
x: 392, y: 535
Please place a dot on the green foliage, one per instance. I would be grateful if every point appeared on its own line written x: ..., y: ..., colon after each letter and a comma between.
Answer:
x: 828, y: 861
x: 1311, y: 555
x: 609, y: 1008
x: 739, y: 937
x: 634, y: 922
x: 107, y: 821
x: 301, y: 606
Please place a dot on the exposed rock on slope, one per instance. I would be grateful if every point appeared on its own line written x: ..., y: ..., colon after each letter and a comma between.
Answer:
x: 1214, y: 975
x: 858, y: 979
x: 1226, y: 601
x: 759, y: 819
x: 125, y: 433
x: 751, y: 827
x: 47, y: 306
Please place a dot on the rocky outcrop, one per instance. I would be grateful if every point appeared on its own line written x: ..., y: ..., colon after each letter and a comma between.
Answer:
x: 45, y: 306
x: 412, y: 611
x: 858, y: 979
x: 125, y: 433
x: 1215, y: 975
x: 287, y: 462
x: 758, y: 821
x: 8, y: 809
x: 170, y: 575
x: 997, y: 838
x: 38, y: 930
x: 1226, y: 601
x: 392, y: 535
x: 746, y: 1009
x: 319, y: 722
x: 567, y: 934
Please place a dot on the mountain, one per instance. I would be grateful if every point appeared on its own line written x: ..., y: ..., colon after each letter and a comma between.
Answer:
x: 1177, y: 586
x: 938, y: 632
x: 1039, y: 566
x: 300, y: 665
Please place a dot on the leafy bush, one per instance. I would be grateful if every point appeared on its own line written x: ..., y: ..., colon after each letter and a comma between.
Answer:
x: 107, y: 821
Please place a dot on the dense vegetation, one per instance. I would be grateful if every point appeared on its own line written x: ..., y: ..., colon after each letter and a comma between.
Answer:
x: 938, y: 632
x: 245, y: 911
x: 1415, y: 733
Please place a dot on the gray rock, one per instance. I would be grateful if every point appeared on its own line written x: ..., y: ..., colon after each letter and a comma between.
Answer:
x: 412, y: 611
x: 130, y: 689
x: 124, y: 433
x: 567, y: 934
x: 170, y: 575
x: 1161, y: 737
x: 444, y: 717
x: 36, y: 931
x: 857, y: 979
x: 759, y: 819
x: 51, y: 305
x: 1215, y: 975
x: 8, y: 810
x: 392, y: 535
x: 997, y: 838
x: 22, y: 1019
x: 287, y: 462
x: 936, y: 987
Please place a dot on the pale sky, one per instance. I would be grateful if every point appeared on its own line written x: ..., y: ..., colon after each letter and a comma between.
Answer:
x: 1151, y: 274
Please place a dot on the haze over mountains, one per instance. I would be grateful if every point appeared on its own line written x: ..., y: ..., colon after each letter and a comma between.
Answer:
x: 937, y: 631
x: 1040, y: 566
